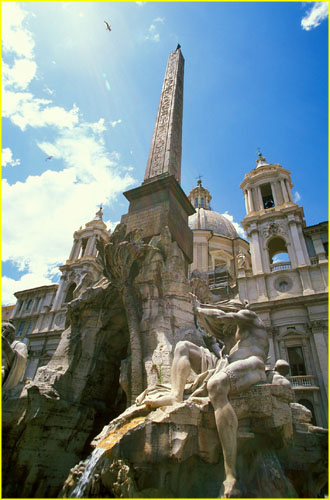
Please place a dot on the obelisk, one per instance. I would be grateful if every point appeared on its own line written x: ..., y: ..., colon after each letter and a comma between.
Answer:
x: 160, y: 200
x: 166, y: 145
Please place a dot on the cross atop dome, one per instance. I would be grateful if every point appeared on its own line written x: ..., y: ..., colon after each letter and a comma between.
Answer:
x: 261, y: 160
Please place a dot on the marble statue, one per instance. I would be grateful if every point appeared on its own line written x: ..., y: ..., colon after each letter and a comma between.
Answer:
x: 240, y: 365
x: 14, y: 355
x: 277, y: 376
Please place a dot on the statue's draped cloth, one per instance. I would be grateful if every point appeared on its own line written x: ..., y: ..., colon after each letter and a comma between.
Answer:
x: 194, y: 391
x: 13, y: 374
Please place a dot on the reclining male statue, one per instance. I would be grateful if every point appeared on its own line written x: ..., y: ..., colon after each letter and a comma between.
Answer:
x: 233, y: 373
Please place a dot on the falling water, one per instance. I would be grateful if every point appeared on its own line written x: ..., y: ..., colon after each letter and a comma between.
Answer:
x: 87, y: 474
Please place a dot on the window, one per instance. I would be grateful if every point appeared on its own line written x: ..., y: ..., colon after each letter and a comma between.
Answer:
x: 278, y: 251
x: 325, y: 244
x: 267, y: 196
x: 202, y: 202
x: 283, y: 286
x: 69, y: 293
x: 20, y: 306
x: 28, y: 305
x: 83, y: 247
x: 37, y: 302
x: 196, y: 202
x: 296, y: 361
x: 29, y: 328
x: 20, y: 329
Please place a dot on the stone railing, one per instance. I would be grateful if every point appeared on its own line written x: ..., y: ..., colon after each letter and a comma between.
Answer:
x: 303, y: 381
x: 279, y: 266
x: 314, y: 260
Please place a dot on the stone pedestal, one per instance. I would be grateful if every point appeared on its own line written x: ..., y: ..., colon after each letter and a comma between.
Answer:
x: 157, y: 203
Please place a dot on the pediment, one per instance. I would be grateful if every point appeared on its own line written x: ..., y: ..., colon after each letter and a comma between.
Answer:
x: 292, y: 333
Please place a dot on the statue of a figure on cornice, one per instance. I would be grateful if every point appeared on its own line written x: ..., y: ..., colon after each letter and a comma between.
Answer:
x: 14, y: 355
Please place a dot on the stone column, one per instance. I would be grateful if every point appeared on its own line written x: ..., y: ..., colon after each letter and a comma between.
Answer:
x: 273, y: 188
x: 284, y: 191
x: 77, y: 249
x: 319, y: 248
x: 289, y: 190
x: 305, y: 280
x: 73, y: 250
x: 250, y: 200
x: 271, y: 352
x: 297, y: 243
x: 255, y: 250
x: 59, y: 294
x: 321, y: 349
x: 90, y: 245
x: 261, y: 287
x: 247, y: 208
x: 261, y: 203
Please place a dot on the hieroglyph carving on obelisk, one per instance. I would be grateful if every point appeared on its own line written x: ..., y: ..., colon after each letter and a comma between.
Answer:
x: 166, y: 146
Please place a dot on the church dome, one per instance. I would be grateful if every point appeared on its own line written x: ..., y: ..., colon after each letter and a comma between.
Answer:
x: 205, y: 218
x: 212, y: 221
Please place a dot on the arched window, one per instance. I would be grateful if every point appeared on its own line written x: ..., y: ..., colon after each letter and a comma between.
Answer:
x: 196, y: 202
x: 310, y: 407
x: 69, y: 293
x: 202, y: 202
x: 278, y: 254
x: 83, y: 247
x: 267, y: 195
x: 28, y: 304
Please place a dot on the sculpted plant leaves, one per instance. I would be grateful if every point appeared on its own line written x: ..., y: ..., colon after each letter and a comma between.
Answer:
x: 121, y: 259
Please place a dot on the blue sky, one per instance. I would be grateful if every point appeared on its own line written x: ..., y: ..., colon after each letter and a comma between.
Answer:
x: 255, y: 77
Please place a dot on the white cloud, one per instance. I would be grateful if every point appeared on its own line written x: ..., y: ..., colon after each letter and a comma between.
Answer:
x: 15, y: 37
x: 315, y: 15
x: 159, y: 20
x: 42, y: 213
x: 140, y: 4
x: 296, y: 196
x: 10, y: 286
x: 7, y: 158
x: 237, y: 226
x: 152, y: 34
x: 112, y: 225
x: 20, y: 74
x: 114, y: 123
x: 23, y: 109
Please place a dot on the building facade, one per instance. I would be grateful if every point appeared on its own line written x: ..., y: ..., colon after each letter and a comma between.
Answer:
x: 39, y: 313
x: 282, y: 271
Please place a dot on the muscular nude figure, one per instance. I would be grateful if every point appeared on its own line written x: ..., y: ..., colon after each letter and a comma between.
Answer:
x: 246, y: 366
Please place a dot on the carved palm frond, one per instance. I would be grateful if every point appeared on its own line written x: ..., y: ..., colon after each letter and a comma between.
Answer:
x: 122, y: 256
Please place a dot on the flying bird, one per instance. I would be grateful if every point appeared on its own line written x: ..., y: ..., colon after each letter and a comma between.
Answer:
x: 107, y: 26
x: 49, y: 158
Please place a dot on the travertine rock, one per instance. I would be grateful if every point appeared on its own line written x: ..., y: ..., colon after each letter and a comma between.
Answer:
x: 179, y: 444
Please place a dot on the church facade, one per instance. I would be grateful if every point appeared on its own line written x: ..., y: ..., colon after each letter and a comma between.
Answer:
x: 280, y: 270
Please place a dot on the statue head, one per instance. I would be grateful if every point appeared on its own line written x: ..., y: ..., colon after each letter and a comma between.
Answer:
x: 9, y: 331
x: 282, y: 367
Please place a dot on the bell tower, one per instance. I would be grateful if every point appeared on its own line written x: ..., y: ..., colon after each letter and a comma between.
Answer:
x: 81, y: 269
x: 274, y: 224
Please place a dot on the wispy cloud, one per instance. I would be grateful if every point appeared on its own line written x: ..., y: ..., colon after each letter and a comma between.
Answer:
x: 7, y: 158
x: 115, y: 123
x: 90, y: 175
x: 315, y: 15
x: 237, y: 226
x: 296, y: 196
x: 153, y: 33
x: 140, y: 4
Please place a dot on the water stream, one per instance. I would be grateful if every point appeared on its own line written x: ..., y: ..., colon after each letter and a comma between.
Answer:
x: 88, y: 473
